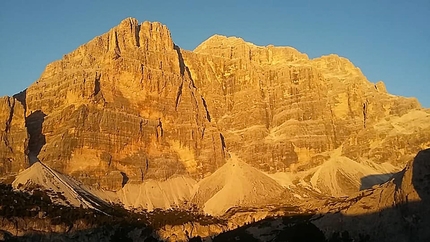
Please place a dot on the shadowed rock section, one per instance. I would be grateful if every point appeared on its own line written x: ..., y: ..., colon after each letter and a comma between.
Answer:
x: 34, y: 124
x: 395, y: 211
x: 372, y: 180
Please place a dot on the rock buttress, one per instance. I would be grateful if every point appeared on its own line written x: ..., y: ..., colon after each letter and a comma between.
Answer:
x: 122, y: 108
x: 13, y: 137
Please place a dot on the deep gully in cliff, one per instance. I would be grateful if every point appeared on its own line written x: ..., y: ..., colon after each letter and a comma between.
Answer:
x: 8, y: 122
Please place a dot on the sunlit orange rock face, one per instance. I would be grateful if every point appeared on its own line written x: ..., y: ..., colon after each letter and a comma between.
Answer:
x: 131, y: 105
x: 280, y: 110
x: 123, y: 108
x: 13, y: 136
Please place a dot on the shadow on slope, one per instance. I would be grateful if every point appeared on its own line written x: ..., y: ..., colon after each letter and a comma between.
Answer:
x: 421, y: 175
x: 33, y: 123
x: 34, y: 217
x: 386, y: 225
x: 372, y: 180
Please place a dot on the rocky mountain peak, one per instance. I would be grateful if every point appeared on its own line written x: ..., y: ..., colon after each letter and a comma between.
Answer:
x: 111, y: 103
x: 218, y: 40
x: 236, y: 48
x: 129, y: 34
x: 335, y: 65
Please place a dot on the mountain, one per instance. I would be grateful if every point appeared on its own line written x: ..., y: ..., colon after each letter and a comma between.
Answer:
x: 131, y: 105
x: 121, y: 108
x: 277, y: 104
x: 231, y: 129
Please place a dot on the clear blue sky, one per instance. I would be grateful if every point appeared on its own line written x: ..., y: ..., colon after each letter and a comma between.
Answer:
x: 388, y: 39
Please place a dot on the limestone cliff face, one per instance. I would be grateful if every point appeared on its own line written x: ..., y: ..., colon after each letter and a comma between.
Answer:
x: 278, y: 109
x: 13, y: 137
x: 123, y: 107
x: 130, y: 105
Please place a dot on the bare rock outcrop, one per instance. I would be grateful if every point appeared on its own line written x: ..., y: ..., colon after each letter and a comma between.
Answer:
x: 123, y: 108
x: 13, y: 137
x: 186, y: 231
x: 276, y: 104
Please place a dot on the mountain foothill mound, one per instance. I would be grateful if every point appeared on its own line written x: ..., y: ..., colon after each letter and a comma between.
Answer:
x: 235, y: 184
x: 62, y: 189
